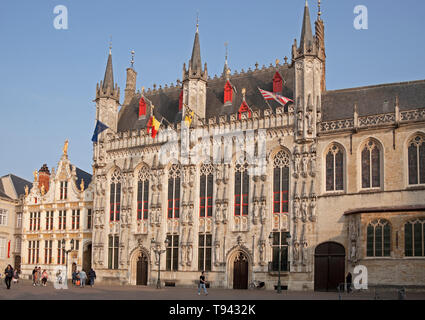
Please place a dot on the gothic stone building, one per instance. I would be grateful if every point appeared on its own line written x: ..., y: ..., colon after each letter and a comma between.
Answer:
x: 330, y: 181
x: 57, y: 217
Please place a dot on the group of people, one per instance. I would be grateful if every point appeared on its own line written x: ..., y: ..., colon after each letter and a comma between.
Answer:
x: 9, y: 275
x: 38, y: 277
x: 79, y: 278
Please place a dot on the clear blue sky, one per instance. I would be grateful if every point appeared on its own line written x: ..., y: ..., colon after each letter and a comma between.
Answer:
x: 48, y: 77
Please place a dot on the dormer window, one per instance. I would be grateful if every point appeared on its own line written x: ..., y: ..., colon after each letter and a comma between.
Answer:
x: 228, y: 93
x: 277, y: 83
x: 181, y: 101
x: 244, y: 109
x: 142, y: 108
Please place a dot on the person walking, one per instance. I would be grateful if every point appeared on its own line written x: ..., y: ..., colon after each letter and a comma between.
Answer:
x: 83, y: 278
x: 8, y: 275
x: 44, y: 278
x: 92, y: 276
x: 202, y: 284
x: 39, y: 276
x: 349, y: 281
x: 74, y: 277
x: 16, y: 276
x: 34, y: 276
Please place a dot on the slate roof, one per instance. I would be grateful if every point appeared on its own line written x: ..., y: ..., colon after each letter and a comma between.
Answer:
x: 373, y: 100
x: 81, y: 174
x: 18, y: 184
x: 166, y: 101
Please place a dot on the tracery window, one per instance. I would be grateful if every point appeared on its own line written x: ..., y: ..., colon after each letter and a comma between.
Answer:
x: 281, y: 164
x: 115, y: 196
x: 241, y: 188
x: 143, y: 194
x: 206, y: 190
x: 414, y: 238
x: 174, y: 179
x: 371, y: 165
x: 379, y: 238
x: 417, y: 160
x: 335, y: 168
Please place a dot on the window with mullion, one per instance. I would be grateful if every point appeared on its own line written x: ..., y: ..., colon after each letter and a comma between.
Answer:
x: 142, y: 200
x: 204, y: 252
x: 371, y: 166
x: 115, y: 201
x: 281, y: 190
x: 172, y: 253
x: 378, y: 239
x: 206, y: 195
x: 174, y: 198
x: 241, y: 193
x: 280, y: 244
x: 113, y: 245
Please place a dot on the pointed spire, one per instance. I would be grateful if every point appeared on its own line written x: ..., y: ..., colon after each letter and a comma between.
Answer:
x: 195, y: 62
x: 108, y: 81
x: 306, y: 33
x: 226, y: 65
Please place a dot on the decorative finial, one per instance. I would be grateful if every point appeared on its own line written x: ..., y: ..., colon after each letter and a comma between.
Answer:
x: 35, y: 173
x: 286, y: 59
x: 26, y: 190
x: 110, y: 44
x: 197, y: 21
x: 132, y: 58
x: 82, y: 185
x: 243, y: 93
x: 65, y: 147
x: 226, y: 45
x: 143, y: 90
x: 320, y: 11
x: 277, y: 62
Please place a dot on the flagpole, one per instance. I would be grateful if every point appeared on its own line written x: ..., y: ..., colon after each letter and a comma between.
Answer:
x: 271, y: 109
x: 202, y: 119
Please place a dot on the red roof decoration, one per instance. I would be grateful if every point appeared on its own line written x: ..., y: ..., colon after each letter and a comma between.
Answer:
x: 244, y: 108
x: 228, y: 92
x: 142, y: 107
x: 277, y: 83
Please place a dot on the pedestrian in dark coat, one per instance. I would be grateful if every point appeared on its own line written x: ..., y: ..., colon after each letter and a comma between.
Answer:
x: 92, y: 276
x: 349, y: 281
x: 8, y: 273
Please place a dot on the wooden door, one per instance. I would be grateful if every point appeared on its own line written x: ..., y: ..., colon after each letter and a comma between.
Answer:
x: 240, y: 272
x: 142, y: 271
x: 329, y: 266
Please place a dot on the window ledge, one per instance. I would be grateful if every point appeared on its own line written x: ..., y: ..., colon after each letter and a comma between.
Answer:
x: 370, y: 191
x: 416, y: 187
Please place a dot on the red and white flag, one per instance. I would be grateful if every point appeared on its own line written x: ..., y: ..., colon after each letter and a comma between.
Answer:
x: 277, y: 97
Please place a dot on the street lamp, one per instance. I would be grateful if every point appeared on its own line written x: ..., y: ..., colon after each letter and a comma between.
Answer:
x: 271, y: 237
x: 158, y: 251
x: 67, y: 252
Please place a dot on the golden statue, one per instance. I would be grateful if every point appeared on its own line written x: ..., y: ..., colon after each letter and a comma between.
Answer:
x: 35, y: 173
x: 82, y: 185
x: 65, y: 147
x: 26, y: 190
x: 43, y: 190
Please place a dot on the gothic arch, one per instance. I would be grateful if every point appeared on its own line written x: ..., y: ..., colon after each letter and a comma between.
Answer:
x: 407, y: 142
x: 134, y: 256
x: 335, y: 146
x: 371, y: 141
x: 231, y: 255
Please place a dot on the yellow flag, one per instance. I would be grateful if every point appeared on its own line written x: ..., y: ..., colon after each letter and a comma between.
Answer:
x: 189, y: 118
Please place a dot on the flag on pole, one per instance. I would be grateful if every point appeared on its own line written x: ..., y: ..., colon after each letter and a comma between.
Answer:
x: 277, y: 97
x: 153, y: 126
x: 100, y: 127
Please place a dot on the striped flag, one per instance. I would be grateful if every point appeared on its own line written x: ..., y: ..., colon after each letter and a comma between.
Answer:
x: 277, y: 97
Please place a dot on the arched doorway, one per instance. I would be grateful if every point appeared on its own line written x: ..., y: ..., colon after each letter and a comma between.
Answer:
x: 329, y: 266
x: 87, y: 257
x: 142, y: 270
x: 240, y: 271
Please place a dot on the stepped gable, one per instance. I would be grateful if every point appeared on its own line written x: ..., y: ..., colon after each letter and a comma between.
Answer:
x: 372, y: 100
x: 166, y: 101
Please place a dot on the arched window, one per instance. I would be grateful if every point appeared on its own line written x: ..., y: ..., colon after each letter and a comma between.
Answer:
x: 174, y: 178
x: 379, y: 238
x: 417, y: 160
x: 281, y: 183
x: 143, y: 194
x: 371, y: 165
x: 115, y: 196
x: 335, y: 168
x: 414, y: 238
x: 206, y: 191
x: 241, y: 188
